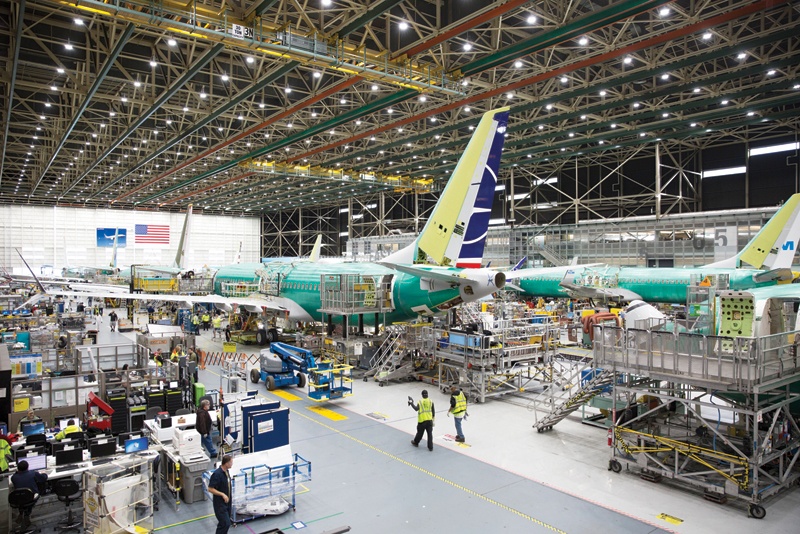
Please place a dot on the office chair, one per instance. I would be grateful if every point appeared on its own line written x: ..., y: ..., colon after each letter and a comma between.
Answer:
x: 183, y: 411
x: 68, y: 491
x: 23, y: 500
x: 153, y: 411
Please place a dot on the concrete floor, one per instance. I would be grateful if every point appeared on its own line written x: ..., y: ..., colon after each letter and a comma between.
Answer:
x: 366, y: 474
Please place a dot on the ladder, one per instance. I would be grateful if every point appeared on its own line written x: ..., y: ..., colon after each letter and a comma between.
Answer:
x: 566, y: 400
x: 386, y: 352
x: 551, y: 254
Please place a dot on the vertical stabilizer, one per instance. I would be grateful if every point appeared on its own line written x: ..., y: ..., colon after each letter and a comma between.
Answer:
x: 113, y: 262
x: 774, y: 246
x: 180, y: 256
x: 455, y: 233
x: 315, y: 252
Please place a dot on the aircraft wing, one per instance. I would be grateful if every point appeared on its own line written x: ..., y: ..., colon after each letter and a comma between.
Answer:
x: 618, y: 294
x: 539, y: 271
x: 254, y: 303
x: 780, y: 291
x: 442, y: 274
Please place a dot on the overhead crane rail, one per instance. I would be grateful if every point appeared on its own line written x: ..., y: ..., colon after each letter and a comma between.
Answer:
x: 398, y: 182
x: 195, y: 21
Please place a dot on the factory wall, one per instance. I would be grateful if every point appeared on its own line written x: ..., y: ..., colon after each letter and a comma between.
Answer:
x: 66, y: 236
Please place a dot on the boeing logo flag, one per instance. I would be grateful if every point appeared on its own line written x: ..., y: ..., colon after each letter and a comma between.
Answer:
x: 157, y: 234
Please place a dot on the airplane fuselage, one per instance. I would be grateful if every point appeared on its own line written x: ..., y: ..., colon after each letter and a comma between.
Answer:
x: 663, y: 284
x: 300, y: 282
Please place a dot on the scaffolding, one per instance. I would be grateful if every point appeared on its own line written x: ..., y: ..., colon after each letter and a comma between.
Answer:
x: 711, y: 412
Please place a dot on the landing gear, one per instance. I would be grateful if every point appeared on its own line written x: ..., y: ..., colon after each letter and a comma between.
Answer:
x: 262, y: 337
x: 272, y: 335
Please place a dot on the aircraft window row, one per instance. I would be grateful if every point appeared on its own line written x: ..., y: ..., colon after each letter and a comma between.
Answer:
x: 303, y: 287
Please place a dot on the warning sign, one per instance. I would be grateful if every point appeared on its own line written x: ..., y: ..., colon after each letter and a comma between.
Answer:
x: 229, y: 346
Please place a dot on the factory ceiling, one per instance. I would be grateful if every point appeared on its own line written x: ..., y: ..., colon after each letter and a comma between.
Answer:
x: 250, y: 107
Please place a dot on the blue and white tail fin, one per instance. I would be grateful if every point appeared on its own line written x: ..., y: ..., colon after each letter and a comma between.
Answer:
x: 774, y: 246
x: 455, y: 234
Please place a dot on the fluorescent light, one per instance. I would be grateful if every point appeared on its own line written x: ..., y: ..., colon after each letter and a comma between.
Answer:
x: 342, y: 234
x: 500, y: 188
x: 774, y: 148
x: 496, y: 221
x: 544, y: 205
x: 518, y: 196
x: 371, y: 206
x: 724, y: 172
x: 540, y: 181
x: 344, y: 210
x: 357, y: 216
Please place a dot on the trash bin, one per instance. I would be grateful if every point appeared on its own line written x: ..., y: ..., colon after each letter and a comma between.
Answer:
x: 92, y: 334
x: 192, y: 479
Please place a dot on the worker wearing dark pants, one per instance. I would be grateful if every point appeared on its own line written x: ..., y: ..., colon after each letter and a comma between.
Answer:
x: 220, y: 487
x: 425, y: 416
x: 203, y: 426
x: 458, y: 407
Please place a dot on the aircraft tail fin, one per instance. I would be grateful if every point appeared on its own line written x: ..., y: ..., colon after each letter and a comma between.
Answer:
x: 774, y: 246
x: 520, y: 263
x: 183, y: 244
x: 113, y: 262
x: 315, y: 252
x: 455, y: 234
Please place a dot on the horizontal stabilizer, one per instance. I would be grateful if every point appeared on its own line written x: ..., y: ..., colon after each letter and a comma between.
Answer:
x: 775, y: 275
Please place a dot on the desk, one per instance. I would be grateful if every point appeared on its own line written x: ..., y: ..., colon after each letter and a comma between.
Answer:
x: 164, y: 435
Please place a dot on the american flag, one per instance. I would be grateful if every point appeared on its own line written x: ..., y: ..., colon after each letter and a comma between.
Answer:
x: 152, y: 233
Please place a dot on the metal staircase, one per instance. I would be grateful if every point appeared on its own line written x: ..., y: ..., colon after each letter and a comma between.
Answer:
x: 389, y: 356
x: 551, y: 254
x: 563, y: 401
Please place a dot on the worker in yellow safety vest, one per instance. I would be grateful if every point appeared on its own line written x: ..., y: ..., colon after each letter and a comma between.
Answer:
x: 206, y: 321
x: 426, y: 414
x: 458, y: 407
x: 177, y: 352
x: 70, y: 429
x: 217, y: 322
x: 195, y: 324
x: 5, y: 453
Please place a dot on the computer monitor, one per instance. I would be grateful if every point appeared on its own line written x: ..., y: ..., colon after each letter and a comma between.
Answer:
x: 125, y: 436
x: 63, y: 444
x: 28, y: 451
x: 37, y: 462
x: 69, y: 456
x: 103, y: 449
x: 30, y: 428
x: 136, y: 445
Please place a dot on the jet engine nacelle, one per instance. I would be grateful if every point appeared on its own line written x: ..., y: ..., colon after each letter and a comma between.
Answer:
x: 482, y: 283
x: 640, y: 314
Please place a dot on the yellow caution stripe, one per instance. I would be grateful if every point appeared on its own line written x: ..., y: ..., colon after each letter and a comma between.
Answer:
x: 670, y: 519
x: 330, y: 414
x: 285, y: 395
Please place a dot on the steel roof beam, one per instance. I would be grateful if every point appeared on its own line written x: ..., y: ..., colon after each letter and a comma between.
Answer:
x: 538, y: 78
x: 98, y: 81
x: 368, y: 16
x: 321, y: 127
x: 233, y: 102
x: 14, y: 63
x: 160, y: 101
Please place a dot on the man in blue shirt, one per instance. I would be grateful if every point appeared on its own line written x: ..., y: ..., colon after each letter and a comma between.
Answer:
x: 220, y: 487
x: 33, y: 480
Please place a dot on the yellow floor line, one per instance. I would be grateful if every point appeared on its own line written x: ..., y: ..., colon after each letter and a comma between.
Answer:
x: 431, y: 474
x: 330, y: 414
x: 434, y: 475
